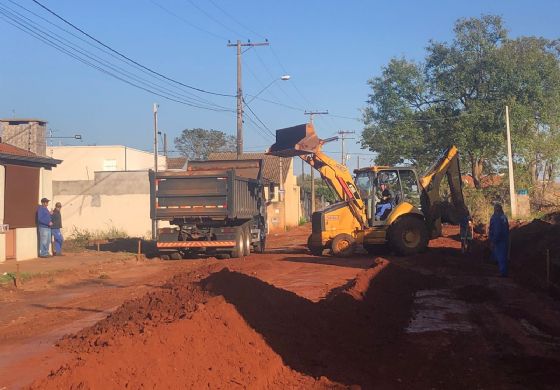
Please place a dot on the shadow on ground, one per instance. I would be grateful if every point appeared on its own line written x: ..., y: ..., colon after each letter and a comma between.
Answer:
x: 342, y: 338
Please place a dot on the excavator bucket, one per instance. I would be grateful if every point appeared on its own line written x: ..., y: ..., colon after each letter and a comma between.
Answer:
x: 295, y: 141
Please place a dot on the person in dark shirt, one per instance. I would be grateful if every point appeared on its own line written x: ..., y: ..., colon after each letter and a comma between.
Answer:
x: 55, y: 229
x: 499, y: 238
x: 386, y: 202
x: 44, y: 224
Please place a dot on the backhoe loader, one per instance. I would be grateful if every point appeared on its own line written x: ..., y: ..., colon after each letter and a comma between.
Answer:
x: 413, y: 218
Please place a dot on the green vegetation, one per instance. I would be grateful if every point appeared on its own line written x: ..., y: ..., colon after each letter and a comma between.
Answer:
x: 197, y: 144
x: 457, y: 95
x: 81, y: 238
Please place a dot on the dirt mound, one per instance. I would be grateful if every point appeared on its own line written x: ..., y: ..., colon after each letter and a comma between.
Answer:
x: 529, y: 246
x: 553, y: 218
x: 179, y: 336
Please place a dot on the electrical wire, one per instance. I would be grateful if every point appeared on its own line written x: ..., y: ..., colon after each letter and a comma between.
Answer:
x: 209, y: 16
x: 22, y: 27
x: 103, y: 50
x: 126, y: 57
x: 91, y: 56
x: 235, y: 20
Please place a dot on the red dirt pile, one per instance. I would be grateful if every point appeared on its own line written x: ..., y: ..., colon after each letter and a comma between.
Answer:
x: 176, y: 337
x: 529, y: 245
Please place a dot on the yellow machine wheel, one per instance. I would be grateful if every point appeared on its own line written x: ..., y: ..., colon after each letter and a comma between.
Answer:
x: 408, y: 235
x: 343, y: 245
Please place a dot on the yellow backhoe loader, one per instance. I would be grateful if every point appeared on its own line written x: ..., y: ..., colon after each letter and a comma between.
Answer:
x: 406, y: 219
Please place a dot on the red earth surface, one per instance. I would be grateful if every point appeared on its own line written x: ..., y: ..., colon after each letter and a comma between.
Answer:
x: 283, y: 319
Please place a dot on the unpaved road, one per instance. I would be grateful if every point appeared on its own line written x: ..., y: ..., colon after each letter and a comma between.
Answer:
x: 283, y: 319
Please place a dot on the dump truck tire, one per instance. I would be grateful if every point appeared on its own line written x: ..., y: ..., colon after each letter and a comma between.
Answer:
x: 314, y: 249
x: 239, y: 248
x: 343, y: 245
x: 247, y: 238
x: 408, y: 235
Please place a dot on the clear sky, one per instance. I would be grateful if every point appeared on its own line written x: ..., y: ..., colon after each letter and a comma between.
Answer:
x: 329, y: 48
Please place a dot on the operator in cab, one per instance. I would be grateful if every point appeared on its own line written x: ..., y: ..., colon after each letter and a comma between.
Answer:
x: 386, y: 202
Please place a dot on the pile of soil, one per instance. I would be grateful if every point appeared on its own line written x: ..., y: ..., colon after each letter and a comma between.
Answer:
x: 529, y: 246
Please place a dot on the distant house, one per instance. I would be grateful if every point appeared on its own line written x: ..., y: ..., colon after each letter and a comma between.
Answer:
x: 485, y: 181
x: 104, y: 187
x: 284, y: 209
x: 176, y: 162
x: 25, y: 178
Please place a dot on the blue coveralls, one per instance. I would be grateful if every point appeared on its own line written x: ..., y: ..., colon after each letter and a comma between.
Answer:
x: 499, y: 237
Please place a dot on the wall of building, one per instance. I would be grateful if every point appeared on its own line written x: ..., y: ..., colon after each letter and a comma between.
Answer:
x: 2, y: 235
x: 81, y: 162
x: 284, y: 211
x: 113, y: 200
x: 25, y: 134
x: 26, y: 243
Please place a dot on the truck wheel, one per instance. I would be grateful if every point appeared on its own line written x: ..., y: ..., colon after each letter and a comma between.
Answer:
x: 314, y: 249
x: 408, y: 235
x: 247, y: 238
x: 239, y: 248
x: 343, y: 245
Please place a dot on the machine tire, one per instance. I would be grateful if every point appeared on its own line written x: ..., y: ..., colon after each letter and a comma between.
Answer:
x: 343, y: 245
x: 247, y: 241
x: 408, y: 236
x: 314, y: 249
x: 239, y: 248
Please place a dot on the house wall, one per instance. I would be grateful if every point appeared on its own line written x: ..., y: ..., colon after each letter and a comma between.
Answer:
x: 285, y: 211
x: 81, y: 162
x: 118, y: 200
x: 2, y: 235
x: 26, y: 237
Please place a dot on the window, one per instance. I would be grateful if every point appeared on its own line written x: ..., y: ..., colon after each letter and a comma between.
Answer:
x: 409, y: 185
x: 109, y: 165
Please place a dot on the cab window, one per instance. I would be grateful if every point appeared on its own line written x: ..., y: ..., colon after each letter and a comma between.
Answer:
x: 409, y: 183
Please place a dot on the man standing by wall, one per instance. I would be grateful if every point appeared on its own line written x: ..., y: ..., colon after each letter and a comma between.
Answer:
x: 56, y: 218
x: 44, y: 224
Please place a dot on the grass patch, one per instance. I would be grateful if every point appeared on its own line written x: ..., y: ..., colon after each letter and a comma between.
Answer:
x: 80, y: 238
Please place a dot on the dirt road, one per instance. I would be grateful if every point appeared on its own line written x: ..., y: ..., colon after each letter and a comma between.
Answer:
x: 283, y: 319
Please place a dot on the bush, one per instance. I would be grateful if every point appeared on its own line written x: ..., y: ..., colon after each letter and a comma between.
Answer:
x: 81, y: 238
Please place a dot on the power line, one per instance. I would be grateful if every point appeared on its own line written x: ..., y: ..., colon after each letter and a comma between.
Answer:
x: 235, y: 20
x: 23, y: 20
x: 26, y: 29
x: 209, y: 16
x: 187, y: 22
x: 126, y: 57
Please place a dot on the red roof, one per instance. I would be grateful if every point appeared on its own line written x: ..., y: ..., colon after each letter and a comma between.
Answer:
x: 15, y: 151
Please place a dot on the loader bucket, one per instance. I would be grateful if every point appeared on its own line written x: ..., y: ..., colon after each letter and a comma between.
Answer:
x: 295, y: 141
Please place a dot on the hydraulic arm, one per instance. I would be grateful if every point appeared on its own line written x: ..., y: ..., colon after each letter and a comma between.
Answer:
x: 303, y: 141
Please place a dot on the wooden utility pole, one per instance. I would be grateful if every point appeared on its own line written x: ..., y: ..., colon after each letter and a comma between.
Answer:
x: 239, y: 95
x: 512, y: 197
x: 342, y: 133
x: 165, y: 145
x: 311, y: 113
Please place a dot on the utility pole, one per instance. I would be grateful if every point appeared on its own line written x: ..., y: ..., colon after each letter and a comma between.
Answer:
x: 512, y: 198
x: 358, y: 161
x: 342, y: 133
x: 165, y: 145
x: 154, y: 222
x: 311, y: 113
x: 239, y: 95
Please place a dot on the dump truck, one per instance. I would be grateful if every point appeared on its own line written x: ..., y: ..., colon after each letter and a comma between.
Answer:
x: 216, y: 208
x: 353, y: 221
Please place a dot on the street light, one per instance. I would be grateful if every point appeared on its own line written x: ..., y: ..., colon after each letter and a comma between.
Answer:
x: 285, y: 77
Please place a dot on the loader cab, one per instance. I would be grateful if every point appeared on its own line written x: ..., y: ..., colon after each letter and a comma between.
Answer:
x: 402, y: 182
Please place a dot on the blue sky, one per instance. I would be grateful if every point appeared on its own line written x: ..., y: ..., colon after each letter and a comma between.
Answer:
x: 329, y: 48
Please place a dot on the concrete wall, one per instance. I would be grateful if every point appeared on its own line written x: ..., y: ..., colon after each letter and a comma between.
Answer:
x: 26, y: 243
x: 27, y: 134
x: 81, y: 162
x: 285, y: 211
x: 2, y: 236
x: 118, y: 200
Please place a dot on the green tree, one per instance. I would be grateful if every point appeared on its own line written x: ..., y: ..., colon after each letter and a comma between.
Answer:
x: 457, y: 96
x: 197, y: 144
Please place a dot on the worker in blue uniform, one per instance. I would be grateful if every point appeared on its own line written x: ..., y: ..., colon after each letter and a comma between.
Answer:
x: 499, y: 238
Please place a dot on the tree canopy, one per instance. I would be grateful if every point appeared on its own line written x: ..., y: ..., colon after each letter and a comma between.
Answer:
x: 197, y: 144
x: 457, y: 96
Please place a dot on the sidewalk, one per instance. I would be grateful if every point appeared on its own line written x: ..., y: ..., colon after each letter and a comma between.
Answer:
x: 62, y: 263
